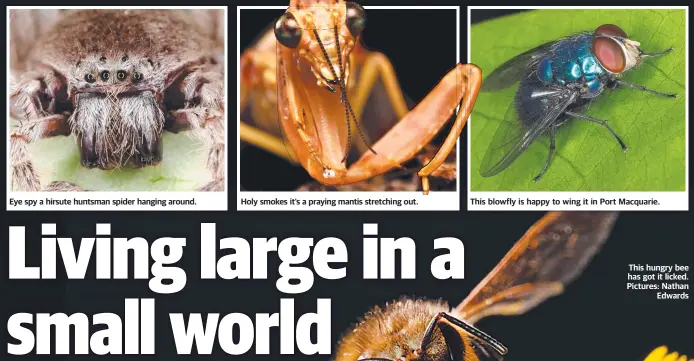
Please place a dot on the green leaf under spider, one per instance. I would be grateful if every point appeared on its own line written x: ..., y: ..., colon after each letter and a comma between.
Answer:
x: 184, y: 167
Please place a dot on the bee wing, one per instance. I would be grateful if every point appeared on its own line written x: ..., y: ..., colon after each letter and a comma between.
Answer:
x: 513, y: 70
x: 540, y: 265
x: 512, y: 137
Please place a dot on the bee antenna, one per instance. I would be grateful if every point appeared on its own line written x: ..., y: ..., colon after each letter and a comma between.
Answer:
x: 472, y: 330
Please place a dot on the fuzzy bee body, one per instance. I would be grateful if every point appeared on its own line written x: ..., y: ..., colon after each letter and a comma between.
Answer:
x: 396, y: 332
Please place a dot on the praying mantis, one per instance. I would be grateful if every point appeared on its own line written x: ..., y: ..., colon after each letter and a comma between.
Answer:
x: 296, y: 79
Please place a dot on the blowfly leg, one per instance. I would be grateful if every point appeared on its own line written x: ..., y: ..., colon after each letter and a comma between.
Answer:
x: 552, y: 146
x: 601, y: 122
x: 644, y: 89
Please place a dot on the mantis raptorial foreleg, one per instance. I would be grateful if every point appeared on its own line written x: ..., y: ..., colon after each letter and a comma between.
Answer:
x: 374, y: 66
x: 266, y: 141
x: 457, y: 88
x: 253, y: 81
x: 377, y: 65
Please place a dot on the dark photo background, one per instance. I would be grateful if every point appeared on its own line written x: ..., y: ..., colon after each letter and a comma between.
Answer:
x: 596, y: 319
x: 479, y: 15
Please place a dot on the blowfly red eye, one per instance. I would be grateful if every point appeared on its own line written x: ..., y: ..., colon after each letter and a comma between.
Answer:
x: 610, y: 29
x: 610, y: 54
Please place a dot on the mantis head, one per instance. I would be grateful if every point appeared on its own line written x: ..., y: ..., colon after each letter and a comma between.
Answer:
x: 323, y: 35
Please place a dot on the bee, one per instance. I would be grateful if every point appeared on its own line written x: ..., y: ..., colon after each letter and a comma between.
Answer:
x: 550, y: 255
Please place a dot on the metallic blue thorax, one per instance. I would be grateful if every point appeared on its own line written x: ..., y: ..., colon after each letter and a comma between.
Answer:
x: 572, y: 61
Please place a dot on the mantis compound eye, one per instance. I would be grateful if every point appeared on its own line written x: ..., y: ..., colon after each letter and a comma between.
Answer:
x: 288, y: 31
x: 356, y: 18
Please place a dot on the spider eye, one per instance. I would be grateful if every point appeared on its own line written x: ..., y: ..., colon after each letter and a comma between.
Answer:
x: 610, y: 54
x: 288, y: 30
x: 89, y: 78
x: 104, y: 75
x: 121, y: 74
x: 610, y: 29
x: 137, y: 76
x: 356, y: 18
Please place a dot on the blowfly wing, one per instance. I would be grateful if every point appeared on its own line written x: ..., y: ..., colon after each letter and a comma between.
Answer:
x: 550, y: 255
x: 512, y: 71
x: 512, y: 137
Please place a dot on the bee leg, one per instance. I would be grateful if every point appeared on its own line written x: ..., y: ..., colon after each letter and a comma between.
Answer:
x: 552, y: 132
x: 601, y: 122
x: 644, y: 89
